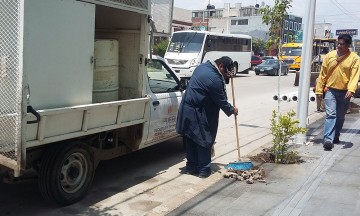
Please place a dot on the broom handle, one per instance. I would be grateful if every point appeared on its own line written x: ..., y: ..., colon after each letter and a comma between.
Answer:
x: 236, y: 128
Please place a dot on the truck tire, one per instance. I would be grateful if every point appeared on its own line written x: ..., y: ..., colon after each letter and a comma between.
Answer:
x: 66, y: 173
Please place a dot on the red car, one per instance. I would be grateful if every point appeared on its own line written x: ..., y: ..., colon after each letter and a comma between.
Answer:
x: 255, y: 60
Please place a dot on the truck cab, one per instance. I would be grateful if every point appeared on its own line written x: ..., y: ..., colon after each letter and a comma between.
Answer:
x: 77, y: 86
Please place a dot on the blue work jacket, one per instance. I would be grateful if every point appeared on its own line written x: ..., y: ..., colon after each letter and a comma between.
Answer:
x: 205, y: 95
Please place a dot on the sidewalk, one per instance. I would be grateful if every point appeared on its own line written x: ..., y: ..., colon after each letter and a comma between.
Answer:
x: 327, y: 183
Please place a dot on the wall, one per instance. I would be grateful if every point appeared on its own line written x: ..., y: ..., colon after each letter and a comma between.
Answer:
x: 320, y: 28
x: 255, y: 27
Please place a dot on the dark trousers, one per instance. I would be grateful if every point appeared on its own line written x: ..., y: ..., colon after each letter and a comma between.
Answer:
x: 198, y: 157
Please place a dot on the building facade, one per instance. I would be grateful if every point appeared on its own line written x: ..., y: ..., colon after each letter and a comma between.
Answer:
x: 181, y: 19
x: 292, y: 31
x: 323, y: 30
x: 243, y: 20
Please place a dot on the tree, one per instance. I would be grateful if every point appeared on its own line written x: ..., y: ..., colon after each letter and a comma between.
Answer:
x: 160, y: 48
x: 258, y: 45
x: 283, y: 127
x: 275, y: 16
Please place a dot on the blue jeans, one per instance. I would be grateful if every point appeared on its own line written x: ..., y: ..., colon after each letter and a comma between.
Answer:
x: 335, y: 107
x: 198, y: 157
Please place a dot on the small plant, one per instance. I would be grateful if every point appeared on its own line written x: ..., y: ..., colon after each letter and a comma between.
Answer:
x: 160, y: 47
x: 283, y: 127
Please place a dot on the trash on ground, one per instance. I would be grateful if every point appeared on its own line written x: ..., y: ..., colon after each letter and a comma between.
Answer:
x: 250, y: 176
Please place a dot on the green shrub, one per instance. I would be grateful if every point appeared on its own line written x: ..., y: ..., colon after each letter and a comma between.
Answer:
x: 283, y: 127
x: 160, y: 48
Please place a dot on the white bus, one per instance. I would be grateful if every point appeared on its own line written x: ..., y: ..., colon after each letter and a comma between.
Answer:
x: 188, y: 49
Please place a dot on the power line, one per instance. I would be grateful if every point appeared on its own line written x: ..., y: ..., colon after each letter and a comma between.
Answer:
x: 330, y: 15
x: 344, y: 10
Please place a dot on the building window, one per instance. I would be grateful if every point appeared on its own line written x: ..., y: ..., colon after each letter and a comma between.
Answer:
x: 285, y: 38
x: 286, y: 25
x: 290, y: 38
x: 206, y: 14
x: 291, y: 25
x: 295, y: 26
x: 243, y: 22
x: 233, y: 22
x: 299, y: 27
x: 195, y: 14
x: 219, y: 13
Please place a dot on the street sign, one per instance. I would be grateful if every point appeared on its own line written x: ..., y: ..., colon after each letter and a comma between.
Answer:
x: 347, y: 31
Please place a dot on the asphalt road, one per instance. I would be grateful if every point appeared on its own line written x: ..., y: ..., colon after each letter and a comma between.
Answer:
x: 151, y: 182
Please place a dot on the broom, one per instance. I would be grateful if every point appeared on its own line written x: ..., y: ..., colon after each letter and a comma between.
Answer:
x: 237, y: 165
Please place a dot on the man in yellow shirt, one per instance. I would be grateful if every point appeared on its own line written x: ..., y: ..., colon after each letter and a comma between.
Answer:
x: 340, y: 75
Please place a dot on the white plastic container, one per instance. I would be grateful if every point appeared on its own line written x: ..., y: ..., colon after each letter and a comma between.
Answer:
x: 106, y: 72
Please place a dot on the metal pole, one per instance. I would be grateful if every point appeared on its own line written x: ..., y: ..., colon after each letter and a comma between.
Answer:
x: 305, y: 69
x: 280, y: 68
x: 228, y: 20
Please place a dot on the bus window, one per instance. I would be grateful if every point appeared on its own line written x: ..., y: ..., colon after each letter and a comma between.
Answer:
x: 290, y: 51
x: 187, y: 42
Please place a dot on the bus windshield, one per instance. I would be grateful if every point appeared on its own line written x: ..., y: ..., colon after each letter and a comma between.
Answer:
x: 291, y: 51
x: 186, y: 42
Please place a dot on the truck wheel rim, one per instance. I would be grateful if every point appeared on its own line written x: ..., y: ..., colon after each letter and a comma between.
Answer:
x: 73, y: 172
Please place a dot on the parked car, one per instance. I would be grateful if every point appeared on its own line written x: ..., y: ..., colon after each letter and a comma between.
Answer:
x: 268, y: 57
x: 272, y: 67
x: 255, y: 60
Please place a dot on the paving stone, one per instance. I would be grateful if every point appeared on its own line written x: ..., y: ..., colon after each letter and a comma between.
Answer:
x: 323, y: 207
x: 347, y: 195
x: 341, y: 178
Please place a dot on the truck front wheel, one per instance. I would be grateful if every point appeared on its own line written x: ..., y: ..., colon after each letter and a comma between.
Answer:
x: 66, y: 173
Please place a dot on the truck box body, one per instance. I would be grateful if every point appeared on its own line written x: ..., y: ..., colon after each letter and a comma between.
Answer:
x: 76, y: 73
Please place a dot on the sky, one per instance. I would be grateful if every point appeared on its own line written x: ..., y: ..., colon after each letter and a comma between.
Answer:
x: 342, y: 14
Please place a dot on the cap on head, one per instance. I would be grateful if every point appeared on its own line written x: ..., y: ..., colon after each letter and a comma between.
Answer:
x: 227, y: 61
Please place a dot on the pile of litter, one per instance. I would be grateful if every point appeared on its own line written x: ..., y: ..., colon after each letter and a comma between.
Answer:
x: 250, y: 176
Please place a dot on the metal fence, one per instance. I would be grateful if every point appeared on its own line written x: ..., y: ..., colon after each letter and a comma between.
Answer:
x: 161, y: 11
x: 10, y: 81
x: 135, y: 3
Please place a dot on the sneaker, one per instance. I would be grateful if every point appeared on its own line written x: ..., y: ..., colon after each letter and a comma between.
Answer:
x: 328, y: 145
x: 336, y: 140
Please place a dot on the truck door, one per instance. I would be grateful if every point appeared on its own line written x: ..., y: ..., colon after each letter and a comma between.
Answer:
x: 165, y: 100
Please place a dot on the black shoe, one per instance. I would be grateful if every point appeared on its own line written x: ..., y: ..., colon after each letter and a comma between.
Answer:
x: 336, y: 140
x: 328, y: 145
x: 204, y: 175
x: 192, y: 172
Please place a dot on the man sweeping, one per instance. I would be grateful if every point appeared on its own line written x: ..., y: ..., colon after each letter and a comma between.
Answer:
x: 198, y: 115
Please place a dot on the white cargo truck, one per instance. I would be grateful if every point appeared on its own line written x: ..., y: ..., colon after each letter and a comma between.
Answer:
x: 77, y: 86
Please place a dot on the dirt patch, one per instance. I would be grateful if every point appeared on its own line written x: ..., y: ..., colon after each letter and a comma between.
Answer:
x: 256, y: 174
x: 266, y: 156
x: 263, y: 157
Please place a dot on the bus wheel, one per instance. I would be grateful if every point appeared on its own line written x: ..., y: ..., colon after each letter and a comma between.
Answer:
x: 66, y: 173
x: 236, y: 69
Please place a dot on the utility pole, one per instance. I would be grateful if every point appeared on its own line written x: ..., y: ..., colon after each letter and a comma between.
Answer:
x: 305, y: 69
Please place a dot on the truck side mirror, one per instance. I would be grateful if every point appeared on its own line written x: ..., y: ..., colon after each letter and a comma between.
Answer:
x: 183, y: 83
